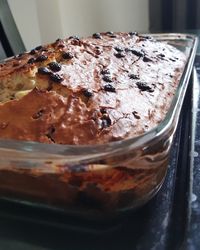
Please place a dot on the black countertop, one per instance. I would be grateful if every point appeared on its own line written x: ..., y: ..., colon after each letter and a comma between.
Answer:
x: 193, y: 233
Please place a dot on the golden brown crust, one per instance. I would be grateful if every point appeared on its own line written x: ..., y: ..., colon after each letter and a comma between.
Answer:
x: 88, y: 91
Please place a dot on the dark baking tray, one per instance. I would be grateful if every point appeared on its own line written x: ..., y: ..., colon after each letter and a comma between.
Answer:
x: 168, y: 221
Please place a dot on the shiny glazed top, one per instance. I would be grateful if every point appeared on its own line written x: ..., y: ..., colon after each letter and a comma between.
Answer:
x: 93, y: 90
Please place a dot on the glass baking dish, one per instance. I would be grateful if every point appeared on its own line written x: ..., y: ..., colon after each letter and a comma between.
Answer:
x: 96, y: 181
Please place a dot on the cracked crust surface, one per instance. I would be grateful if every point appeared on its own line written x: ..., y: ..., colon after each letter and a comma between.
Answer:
x: 88, y: 91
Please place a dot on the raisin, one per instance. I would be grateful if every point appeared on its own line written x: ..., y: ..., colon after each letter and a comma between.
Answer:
x: 133, y: 33
x: 105, y: 122
x: 133, y: 76
x: 97, y: 35
x: 54, y: 66
x: 144, y: 87
x: 43, y: 71
x: 20, y: 55
x: 87, y: 93
x: 107, y: 78
x: 41, y: 58
x: 38, y: 47
x: 109, y: 88
x: 32, y: 52
x: 58, y: 40
x: 74, y: 37
x: 31, y: 60
x: 74, y: 40
x: 103, y: 110
x: 56, y: 78
x: 135, y: 113
x: 147, y: 59
x: 67, y: 55
x: 119, y: 55
x: 161, y: 55
x: 118, y: 49
x: 111, y: 34
x: 105, y: 72
x: 137, y: 52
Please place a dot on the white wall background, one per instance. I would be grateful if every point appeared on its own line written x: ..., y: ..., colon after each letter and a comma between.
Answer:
x: 42, y: 21
x: 26, y: 18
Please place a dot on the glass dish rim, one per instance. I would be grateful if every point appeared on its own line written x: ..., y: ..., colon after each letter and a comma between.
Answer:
x: 57, y: 151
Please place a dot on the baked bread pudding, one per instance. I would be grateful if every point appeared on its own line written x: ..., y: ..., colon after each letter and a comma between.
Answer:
x: 94, y: 90
x: 104, y: 88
